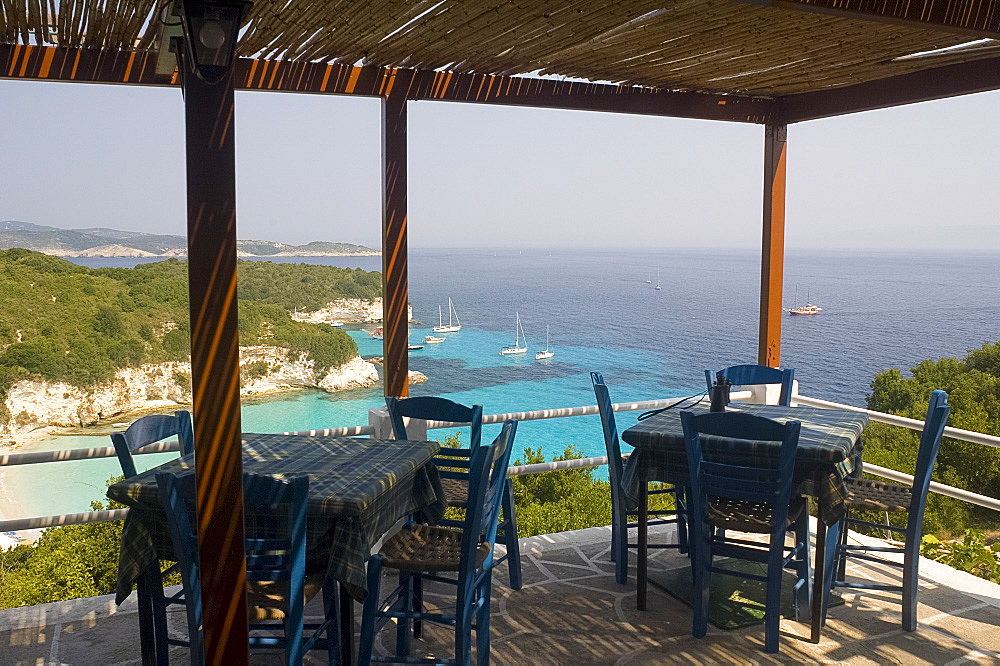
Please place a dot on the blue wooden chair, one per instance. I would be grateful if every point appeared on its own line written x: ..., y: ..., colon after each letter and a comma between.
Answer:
x: 870, y: 495
x: 735, y: 485
x: 149, y: 430
x: 277, y: 587
x: 149, y: 589
x: 423, y: 552
x: 621, y: 508
x: 453, y: 464
x: 746, y: 375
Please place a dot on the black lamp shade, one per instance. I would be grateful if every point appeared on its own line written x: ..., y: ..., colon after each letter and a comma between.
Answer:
x: 210, y: 32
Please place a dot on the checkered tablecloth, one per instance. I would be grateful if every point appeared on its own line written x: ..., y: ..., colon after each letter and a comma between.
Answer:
x: 829, y: 446
x: 358, y: 488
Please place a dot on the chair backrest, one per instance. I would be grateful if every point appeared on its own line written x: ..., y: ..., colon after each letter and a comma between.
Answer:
x: 611, y: 444
x: 746, y: 375
x: 487, y: 476
x: 150, y: 429
x: 930, y: 441
x: 737, y: 468
x: 432, y: 408
x: 278, y: 559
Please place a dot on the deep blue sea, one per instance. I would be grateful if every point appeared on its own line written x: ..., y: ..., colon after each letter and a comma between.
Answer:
x: 879, y: 311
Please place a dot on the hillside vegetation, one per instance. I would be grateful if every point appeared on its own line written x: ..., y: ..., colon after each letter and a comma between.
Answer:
x: 973, y: 386
x: 64, y: 322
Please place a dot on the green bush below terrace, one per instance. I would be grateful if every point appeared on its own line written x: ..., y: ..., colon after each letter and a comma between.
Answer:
x: 64, y: 322
x: 973, y: 386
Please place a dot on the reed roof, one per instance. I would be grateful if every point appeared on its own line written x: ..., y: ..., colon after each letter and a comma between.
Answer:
x: 698, y: 45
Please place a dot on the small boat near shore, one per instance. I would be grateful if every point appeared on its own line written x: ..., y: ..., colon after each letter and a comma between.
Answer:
x: 545, y: 353
x: 433, y: 340
x: 520, y: 345
x: 377, y: 333
x: 414, y: 347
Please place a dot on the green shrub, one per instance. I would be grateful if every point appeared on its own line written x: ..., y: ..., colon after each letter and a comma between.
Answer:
x: 973, y: 386
x: 971, y: 554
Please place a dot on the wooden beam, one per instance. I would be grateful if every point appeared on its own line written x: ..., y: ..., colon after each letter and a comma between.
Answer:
x: 772, y: 247
x: 215, y: 376
x: 975, y: 18
x: 52, y: 63
x: 929, y: 84
x: 395, y: 333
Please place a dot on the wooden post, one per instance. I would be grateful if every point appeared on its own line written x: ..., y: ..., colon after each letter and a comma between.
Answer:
x: 395, y: 296
x: 773, y: 246
x: 211, y: 216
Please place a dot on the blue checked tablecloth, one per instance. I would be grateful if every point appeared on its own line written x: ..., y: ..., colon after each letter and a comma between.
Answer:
x: 829, y: 446
x: 358, y: 488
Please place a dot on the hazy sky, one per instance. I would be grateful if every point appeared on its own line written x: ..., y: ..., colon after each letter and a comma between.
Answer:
x: 918, y: 177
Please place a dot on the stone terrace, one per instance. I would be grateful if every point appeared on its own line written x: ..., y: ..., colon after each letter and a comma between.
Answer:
x: 571, y: 611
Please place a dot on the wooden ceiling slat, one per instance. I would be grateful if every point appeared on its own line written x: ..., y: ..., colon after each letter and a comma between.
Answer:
x: 712, y: 46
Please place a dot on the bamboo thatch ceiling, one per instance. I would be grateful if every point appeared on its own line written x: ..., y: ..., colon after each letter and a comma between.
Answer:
x: 703, y: 45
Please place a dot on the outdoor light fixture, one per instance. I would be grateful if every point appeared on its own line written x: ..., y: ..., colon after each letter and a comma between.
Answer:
x: 210, y: 33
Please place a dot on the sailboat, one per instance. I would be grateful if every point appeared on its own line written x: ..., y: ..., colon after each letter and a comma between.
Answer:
x: 520, y: 345
x: 649, y: 282
x: 657, y: 287
x: 453, y: 322
x: 807, y: 309
x: 545, y: 353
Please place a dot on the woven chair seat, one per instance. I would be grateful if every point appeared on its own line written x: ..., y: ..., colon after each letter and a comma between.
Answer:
x: 456, y: 491
x: 427, y: 548
x: 266, y: 600
x: 746, y: 516
x: 871, y: 495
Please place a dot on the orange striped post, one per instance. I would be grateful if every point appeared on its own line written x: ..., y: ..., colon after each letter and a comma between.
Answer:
x: 772, y: 257
x: 211, y: 210
x: 395, y: 295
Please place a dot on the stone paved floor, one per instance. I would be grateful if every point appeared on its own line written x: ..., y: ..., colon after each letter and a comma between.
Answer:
x: 571, y: 611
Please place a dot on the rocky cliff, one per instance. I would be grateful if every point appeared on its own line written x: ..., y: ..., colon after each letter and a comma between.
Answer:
x: 353, y: 310
x: 36, y: 404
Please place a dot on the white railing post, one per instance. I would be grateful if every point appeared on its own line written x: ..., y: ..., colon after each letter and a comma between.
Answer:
x: 378, y: 419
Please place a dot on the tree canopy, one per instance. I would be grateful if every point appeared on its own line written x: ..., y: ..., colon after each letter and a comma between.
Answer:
x: 973, y: 387
x: 64, y: 322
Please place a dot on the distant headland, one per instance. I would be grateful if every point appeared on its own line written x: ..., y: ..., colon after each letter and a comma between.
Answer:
x: 104, y: 242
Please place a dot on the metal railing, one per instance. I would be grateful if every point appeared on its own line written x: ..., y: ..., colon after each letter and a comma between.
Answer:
x: 537, y: 468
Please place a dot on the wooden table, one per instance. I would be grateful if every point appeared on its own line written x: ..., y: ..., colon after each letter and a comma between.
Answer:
x: 358, y: 489
x: 829, y: 447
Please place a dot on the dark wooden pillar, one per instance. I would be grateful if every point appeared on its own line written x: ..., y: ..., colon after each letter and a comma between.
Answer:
x: 395, y: 293
x: 211, y: 214
x: 772, y: 258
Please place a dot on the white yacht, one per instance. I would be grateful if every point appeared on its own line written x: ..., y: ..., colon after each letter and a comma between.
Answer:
x: 520, y: 345
x: 453, y: 322
x: 545, y: 353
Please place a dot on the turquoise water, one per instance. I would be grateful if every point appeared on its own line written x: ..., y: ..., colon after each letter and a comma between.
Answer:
x: 502, y: 383
x: 888, y: 310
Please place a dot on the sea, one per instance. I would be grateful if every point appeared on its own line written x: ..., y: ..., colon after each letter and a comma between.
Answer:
x: 880, y: 310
